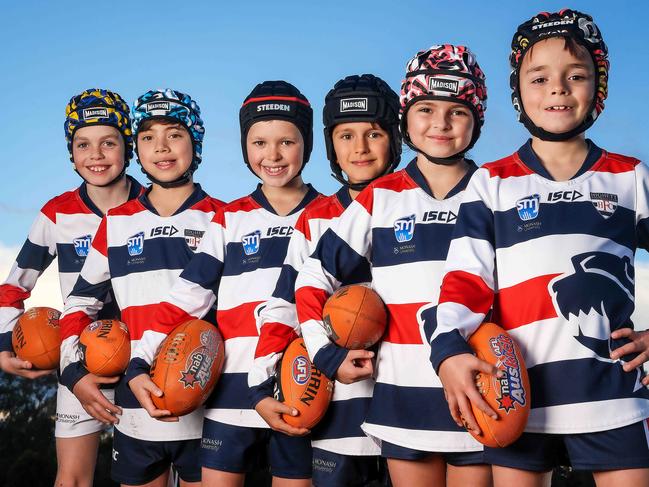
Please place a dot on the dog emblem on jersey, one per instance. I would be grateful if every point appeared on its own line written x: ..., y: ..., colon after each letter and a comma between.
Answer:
x: 528, y: 207
x: 135, y: 244
x: 600, y: 287
x: 404, y: 228
x: 605, y: 203
x: 251, y: 242
x: 82, y: 245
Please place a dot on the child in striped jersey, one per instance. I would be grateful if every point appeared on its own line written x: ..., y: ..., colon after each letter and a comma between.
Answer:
x: 237, y: 266
x: 361, y: 119
x: 139, y: 250
x: 395, y: 234
x: 545, y: 241
x: 99, y: 139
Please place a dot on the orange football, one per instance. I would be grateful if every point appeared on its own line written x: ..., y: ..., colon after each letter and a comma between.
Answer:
x: 509, y: 396
x: 37, y: 338
x: 303, y: 387
x: 355, y: 317
x: 187, y: 366
x: 105, y: 347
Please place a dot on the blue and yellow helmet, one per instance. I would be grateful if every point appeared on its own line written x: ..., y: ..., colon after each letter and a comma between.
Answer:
x: 99, y: 107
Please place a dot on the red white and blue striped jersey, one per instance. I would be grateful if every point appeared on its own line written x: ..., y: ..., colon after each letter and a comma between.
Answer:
x: 64, y: 228
x: 236, y: 266
x: 340, y: 430
x: 553, y: 261
x: 396, y: 236
x: 138, y: 254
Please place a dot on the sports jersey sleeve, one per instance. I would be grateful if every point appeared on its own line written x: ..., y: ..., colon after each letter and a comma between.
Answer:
x: 341, y: 256
x: 192, y: 296
x: 642, y: 205
x: 82, y: 306
x: 34, y: 257
x: 467, y: 290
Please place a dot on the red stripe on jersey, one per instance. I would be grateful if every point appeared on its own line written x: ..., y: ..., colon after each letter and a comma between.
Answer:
x: 508, y: 167
x: 302, y: 225
x: 366, y: 199
x: 12, y: 296
x: 99, y: 242
x: 403, y: 327
x: 275, y: 337
x: 73, y: 324
x: 129, y: 208
x: 242, y: 204
x: 162, y: 317
x: 68, y: 203
x: 467, y: 289
x: 615, y: 163
x: 240, y: 321
x: 399, y: 181
x: 524, y: 303
x: 322, y: 208
x: 209, y: 204
x: 310, y: 303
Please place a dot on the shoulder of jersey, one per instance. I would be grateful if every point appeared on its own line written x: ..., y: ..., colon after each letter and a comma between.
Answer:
x: 397, y: 181
x: 506, y: 167
x: 245, y: 203
x: 323, y: 207
x: 131, y: 207
x: 620, y: 161
x: 209, y: 204
x: 68, y: 203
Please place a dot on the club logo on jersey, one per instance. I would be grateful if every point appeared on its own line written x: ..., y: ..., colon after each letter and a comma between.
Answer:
x: 511, y: 390
x: 82, y: 245
x: 164, y: 231
x: 599, y: 290
x: 605, y: 203
x: 90, y: 113
x: 353, y: 105
x: 198, y: 367
x: 443, y: 84
x: 301, y: 370
x: 251, y: 242
x: 156, y: 106
x: 135, y: 244
x: 528, y: 207
x: 404, y: 228
x: 193, y: 238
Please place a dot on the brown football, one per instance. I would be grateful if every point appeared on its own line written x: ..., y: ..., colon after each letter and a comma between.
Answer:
x: 105, y: 347
x: 37, y: 337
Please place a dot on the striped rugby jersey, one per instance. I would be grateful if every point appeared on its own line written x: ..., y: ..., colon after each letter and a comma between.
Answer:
x: 396, y: 236
x: 339, y: 431
x: 554, y: 260
x: 138, y: 254
x: 64, y: 228
x: 236, y: 266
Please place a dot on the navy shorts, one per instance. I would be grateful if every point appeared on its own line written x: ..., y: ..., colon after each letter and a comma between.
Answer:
x: 136, y: 462
x: 457, y: 459
x: 616, y: 449
x: 235, y: 449
x: 337, y: 470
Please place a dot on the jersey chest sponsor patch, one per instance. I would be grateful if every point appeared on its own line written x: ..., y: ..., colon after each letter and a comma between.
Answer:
x: 604, y: 203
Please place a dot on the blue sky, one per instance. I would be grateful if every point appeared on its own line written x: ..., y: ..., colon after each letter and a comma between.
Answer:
x: 217, y: 53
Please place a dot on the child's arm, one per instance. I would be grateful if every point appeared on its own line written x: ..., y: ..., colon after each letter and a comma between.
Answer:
x: 35, y: 256
x: 342, y: 255
x: 81, y: 308
x: 192, y: 296
x: 465, y: 298
x: 638, y: 341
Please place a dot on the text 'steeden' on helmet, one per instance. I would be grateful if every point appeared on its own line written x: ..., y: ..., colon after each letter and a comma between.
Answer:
x: 566, y: 23
x: 97, y: 106
x: 277, y: 100
x: 364, y: 98
x: 448, y: 73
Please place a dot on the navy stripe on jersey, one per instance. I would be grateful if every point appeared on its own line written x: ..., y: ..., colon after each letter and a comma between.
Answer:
x: 205, y: 270
x: 425, y: 245
x: 343, y: 419
x: 271, y: 250
x: 590, y: 380
x: 285, y: 287
x: 341, y: 261
x: 231, y: 392
x: 643, y: 233
x: 161, y: 253
x: 84, y: 289
x: 69, y: 260
x: 531, y: 160
x: 34, y: 256
x: 410, y: 408
x: 561, y: 218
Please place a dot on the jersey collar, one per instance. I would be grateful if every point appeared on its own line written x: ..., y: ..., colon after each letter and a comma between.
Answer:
x: 343, y: 196
x: 415, y: 174
x: 197, y: 195
x: 532, y: 161
x: 260, y: 198
x: 133, y: 193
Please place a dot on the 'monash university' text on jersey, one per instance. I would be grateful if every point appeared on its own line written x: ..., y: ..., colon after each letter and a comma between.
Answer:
x: 396, y: 236
x: 237, y: 265
x: 554, y: 260
x: 339, y: 431
x: 138, y: 254
x: 64, y: 228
